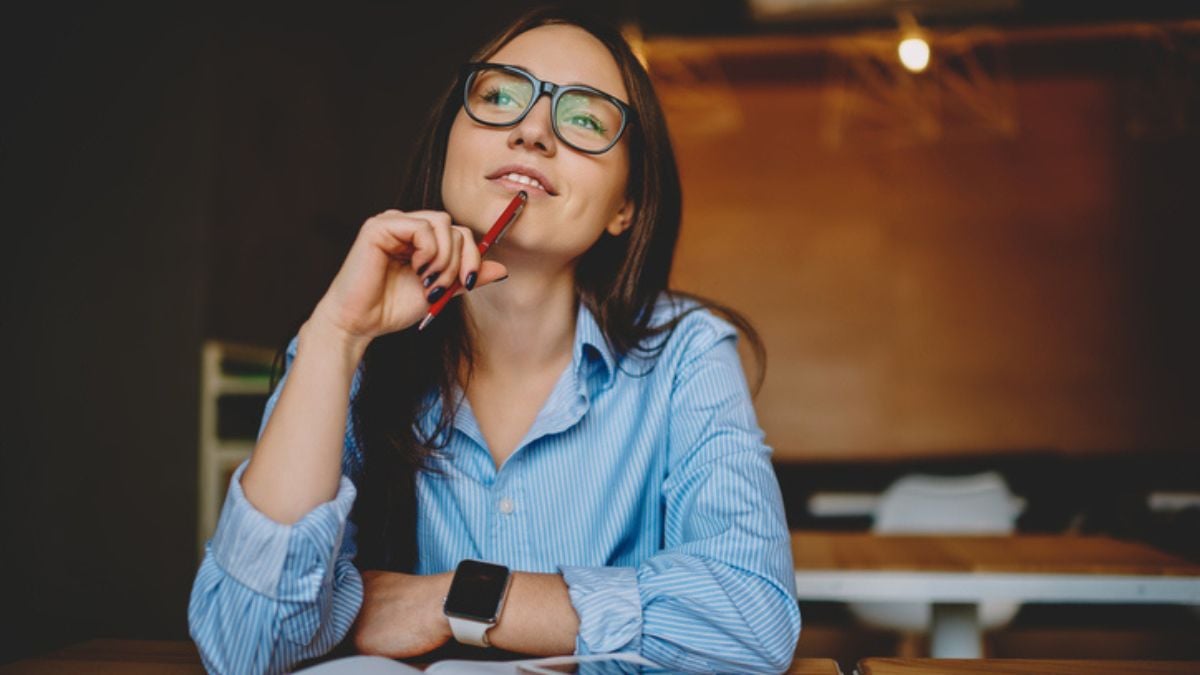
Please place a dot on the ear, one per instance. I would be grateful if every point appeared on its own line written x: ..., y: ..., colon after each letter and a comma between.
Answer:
x: 623, y: 219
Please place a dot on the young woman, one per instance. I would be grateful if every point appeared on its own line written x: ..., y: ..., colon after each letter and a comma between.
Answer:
x: 581, y: 431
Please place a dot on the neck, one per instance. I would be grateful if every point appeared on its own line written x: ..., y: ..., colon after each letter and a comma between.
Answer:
x: 525, y: 323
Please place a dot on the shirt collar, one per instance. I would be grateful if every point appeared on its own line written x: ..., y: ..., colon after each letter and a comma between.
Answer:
x: 591, y: 347
x: 590, y: 356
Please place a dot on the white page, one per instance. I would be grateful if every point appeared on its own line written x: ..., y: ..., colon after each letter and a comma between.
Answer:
x: 465, y: 667
x: 360, y: 665
x: 378, y: 665
x: 553, y: 665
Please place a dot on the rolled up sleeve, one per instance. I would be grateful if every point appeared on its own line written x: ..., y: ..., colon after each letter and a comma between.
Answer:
x: 269, y: 595
x: 609, y: 608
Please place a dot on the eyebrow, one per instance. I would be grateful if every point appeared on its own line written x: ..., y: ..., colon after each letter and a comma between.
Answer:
x: 564, y: 84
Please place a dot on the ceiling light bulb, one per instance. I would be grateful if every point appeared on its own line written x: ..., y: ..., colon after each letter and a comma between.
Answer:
x: 914, y: 54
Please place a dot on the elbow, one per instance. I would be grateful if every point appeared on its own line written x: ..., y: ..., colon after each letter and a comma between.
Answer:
x: 785, y: 652
x: 222, y: 623
x: 773, y: 656
x: 766, y: 645
x: 777, y: 644
x: 203, y: 625
x: 779, y: 660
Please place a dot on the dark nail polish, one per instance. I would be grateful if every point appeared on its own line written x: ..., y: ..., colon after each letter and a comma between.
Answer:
x: 429, y: 280
x: 471, y: 279
x: 422, y: 268
x: 436, y: 294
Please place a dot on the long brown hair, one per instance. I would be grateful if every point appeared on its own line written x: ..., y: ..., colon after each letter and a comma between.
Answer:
x: 409, y: 374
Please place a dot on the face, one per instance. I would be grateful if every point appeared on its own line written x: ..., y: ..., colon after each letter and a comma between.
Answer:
x: 582, y: 196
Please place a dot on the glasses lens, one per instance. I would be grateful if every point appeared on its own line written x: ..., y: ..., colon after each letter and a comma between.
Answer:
x: 586, y: 120
x: 498, y: 97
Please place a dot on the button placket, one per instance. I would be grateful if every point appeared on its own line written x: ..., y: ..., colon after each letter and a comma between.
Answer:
x: 510, y: 525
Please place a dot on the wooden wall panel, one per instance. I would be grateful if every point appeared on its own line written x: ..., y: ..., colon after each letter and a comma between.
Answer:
x: 969, y: 294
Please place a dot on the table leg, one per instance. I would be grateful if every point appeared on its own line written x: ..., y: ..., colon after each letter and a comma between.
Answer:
x: 954, y: 632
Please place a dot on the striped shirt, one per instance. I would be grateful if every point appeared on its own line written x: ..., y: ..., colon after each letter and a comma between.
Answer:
x: 646, y: 485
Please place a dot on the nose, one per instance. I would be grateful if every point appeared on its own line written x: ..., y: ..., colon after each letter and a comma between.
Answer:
x: 535, y: 132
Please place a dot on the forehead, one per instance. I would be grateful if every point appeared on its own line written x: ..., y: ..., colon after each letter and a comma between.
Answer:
x: 565, y: 55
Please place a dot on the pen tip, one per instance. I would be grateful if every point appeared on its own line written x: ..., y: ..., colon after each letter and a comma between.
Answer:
x: 424, y: 322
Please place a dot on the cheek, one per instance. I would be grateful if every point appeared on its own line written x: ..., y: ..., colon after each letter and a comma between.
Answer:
x: 605, y: 185
x: 457, y: 166
x: 611, y: 178
x: 457, y: 146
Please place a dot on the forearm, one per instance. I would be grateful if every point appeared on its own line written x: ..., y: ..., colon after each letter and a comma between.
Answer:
x: 296, y: 464
x: 402, y: 615
x: 538, y: 617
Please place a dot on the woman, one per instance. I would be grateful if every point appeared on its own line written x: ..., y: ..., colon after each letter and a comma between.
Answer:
x: 577, y: 424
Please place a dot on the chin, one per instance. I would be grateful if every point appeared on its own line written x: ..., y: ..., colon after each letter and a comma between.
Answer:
x: 466, y: 211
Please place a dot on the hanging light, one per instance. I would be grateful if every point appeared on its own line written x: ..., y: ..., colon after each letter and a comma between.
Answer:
x: 914, y: 54
x: 913, y: 49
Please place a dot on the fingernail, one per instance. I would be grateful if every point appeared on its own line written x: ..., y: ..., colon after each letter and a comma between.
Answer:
x: 436, y: 294
x: 429, y: 280
x: 422, y: 268
x: 471, y: 279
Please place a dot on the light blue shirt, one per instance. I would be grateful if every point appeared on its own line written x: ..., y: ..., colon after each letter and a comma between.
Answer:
x: 647, y: 485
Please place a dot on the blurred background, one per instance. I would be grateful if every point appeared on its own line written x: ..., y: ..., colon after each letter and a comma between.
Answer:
x: 980, y: 256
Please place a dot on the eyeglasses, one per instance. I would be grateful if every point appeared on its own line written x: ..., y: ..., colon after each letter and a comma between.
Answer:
x: 584, y: 118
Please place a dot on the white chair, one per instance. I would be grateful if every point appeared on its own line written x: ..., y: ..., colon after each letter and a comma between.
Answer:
x: 920, y: 504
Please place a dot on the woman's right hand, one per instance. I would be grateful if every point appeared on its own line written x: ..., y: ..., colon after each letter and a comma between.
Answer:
x: 378, y: 289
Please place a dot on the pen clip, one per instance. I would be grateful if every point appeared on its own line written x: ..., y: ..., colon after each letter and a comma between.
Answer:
x: 513, y: 218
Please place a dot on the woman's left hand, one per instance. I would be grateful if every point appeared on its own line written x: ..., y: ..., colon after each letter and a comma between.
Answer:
x: 401, y: 615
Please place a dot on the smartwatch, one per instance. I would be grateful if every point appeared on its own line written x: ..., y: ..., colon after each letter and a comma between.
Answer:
x: 475, y: 600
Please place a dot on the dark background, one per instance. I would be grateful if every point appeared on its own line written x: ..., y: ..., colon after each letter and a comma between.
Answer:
x: 173, y: 175
x: 170, y: 175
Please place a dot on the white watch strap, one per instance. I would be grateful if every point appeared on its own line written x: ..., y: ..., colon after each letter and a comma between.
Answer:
x: 470, y: 632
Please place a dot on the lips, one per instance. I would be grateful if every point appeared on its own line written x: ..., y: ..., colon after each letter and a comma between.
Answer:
x: 524, y: 176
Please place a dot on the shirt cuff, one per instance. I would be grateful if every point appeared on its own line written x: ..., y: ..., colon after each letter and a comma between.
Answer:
x: 252, y: 548
x: 609, y: 607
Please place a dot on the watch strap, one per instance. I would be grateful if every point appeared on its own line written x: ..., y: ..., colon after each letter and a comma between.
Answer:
x: 470, y: 632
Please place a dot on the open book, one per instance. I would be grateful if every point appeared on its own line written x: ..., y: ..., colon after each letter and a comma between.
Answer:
x: 596, y: 664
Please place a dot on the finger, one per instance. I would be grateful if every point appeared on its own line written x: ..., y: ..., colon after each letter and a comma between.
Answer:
x: 425, y: 244
x: 468, y: 270
x: 399, y: 236
x: 431, y: 270
x: 490, y: 272
x: 448, y: 275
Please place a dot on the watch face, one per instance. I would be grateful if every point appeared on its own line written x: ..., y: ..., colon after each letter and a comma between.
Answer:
x: 476, y: 590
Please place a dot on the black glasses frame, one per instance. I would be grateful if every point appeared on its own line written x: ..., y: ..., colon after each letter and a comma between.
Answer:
x: 544, y: 88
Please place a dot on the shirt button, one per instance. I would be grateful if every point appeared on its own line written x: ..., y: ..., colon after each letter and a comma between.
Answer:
x: 506, y: 506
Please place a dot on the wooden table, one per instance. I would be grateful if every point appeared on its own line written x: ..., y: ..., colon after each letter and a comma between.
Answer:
x: 1023, y: 667
x: 956, y: 573
x: 814, y: 667
x: 115, y: 657
x: 152, y: 657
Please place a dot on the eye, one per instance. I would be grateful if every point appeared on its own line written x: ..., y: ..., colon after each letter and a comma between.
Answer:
x: 586, y: 121
x: 499, y: 97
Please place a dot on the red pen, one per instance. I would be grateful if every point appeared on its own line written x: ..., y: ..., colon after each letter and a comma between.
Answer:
x: 493, y: 235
